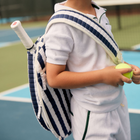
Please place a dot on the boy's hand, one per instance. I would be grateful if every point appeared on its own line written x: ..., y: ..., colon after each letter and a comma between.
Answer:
x: 115, y: 77
x: 136, y: 74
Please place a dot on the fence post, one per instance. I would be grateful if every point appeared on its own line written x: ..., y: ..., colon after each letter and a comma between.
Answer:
x: 118, y: 16
x: 0, y: 12
x: 53, y: 3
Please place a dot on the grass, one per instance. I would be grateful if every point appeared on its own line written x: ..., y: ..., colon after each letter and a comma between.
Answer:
x: 13, y: 66
x: 129, y: 34
x: 127, y: 37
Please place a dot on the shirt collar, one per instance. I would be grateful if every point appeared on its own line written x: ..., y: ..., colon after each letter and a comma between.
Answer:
x: 99, y: 10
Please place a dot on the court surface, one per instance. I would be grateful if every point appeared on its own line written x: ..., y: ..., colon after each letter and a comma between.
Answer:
x: 17, y: 119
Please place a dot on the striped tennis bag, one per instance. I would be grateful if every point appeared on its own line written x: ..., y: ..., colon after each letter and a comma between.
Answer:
x: 52, y: 106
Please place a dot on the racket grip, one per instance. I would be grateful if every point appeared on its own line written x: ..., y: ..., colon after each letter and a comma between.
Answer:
x: 21, y: 33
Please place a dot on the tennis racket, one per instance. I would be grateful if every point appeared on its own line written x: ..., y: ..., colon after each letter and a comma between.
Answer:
x: 19, y: 30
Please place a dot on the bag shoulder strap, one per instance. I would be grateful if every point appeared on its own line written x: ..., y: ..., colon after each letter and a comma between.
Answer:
x: 91, y: 27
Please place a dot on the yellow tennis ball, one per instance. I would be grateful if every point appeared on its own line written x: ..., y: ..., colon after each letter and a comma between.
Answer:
x: 124, y: 65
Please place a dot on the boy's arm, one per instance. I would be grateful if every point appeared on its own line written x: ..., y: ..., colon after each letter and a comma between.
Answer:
x: 57, y: 77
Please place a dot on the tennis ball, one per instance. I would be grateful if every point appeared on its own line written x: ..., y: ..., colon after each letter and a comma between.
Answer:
x: 124, y: 65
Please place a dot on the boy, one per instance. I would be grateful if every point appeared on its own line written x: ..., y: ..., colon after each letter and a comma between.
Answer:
x: 98, y: 103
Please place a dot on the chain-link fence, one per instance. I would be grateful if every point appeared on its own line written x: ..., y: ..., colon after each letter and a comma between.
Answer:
x: 24, y: 8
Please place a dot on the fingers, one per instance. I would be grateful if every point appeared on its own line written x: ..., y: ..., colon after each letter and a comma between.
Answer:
x: 136, y: 82
x: 136, y: 74
x: 126, y: 80
x: 136, y: 79
x: 135, y: 69
x: 125, y: 70
x: 122, y: 80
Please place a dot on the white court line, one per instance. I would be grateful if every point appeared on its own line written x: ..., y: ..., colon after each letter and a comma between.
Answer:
x: 7, y: 44
x: 13, y: 90
x: 135, y: 111
x: 16, y: 99
x: 136, y: 47
x: 4, y: 44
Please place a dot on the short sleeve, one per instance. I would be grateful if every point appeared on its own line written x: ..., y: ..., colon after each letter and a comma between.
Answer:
x: 58, y: 43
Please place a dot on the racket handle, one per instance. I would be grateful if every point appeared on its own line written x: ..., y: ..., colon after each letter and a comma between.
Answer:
x: 21, y: 33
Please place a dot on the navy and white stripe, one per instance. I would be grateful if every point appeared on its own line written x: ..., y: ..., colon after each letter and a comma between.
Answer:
x: 88, y: 26
x: 32, y: 87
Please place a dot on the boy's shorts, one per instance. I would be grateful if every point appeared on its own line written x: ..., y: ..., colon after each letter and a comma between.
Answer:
x: 112, y: 125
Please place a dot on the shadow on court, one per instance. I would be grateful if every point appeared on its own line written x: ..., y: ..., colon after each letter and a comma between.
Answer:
x: 17, y: 122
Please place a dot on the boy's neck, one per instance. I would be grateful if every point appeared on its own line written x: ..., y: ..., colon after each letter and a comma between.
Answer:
x: 84, y: 6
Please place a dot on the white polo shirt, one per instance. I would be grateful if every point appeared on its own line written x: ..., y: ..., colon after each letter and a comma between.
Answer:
x: 66, y: 45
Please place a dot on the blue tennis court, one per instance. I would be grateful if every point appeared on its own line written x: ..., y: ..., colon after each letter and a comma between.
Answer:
x: 17, y: 119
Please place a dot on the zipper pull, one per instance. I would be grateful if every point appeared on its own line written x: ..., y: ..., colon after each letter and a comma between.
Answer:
x: 39, y: 111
